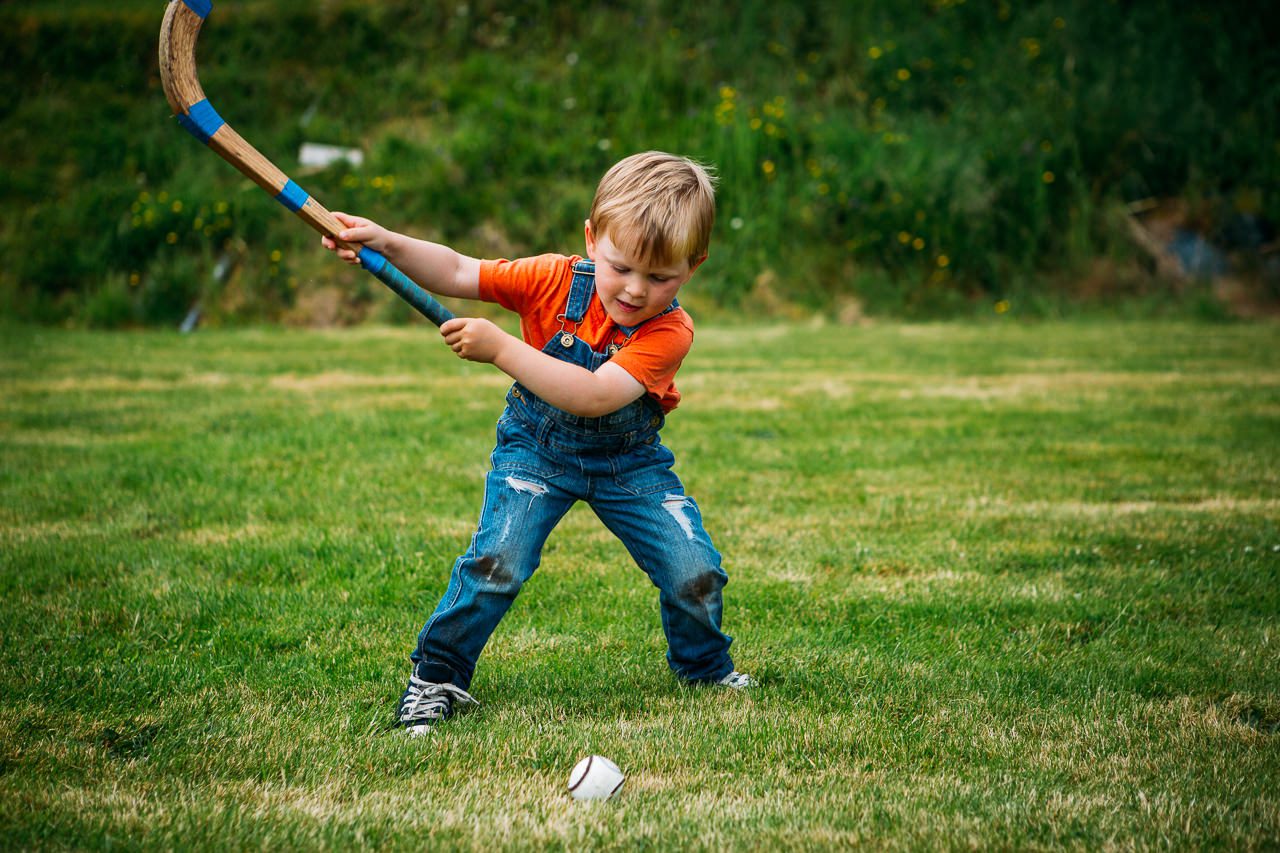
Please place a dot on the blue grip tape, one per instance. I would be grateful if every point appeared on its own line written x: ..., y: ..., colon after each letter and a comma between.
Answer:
x: 200, y: 7
x: 292, y: 196
x: 403, y: 286
x: 202, y: 121
x: 371, y: 260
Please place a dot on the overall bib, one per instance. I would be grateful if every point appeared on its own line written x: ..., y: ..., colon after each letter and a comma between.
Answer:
x: 545, y: 461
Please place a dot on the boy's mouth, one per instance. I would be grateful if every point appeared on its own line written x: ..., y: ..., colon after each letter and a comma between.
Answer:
x: 627, y: 307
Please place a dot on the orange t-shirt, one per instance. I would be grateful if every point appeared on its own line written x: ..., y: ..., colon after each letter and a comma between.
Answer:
x: 538, y: 290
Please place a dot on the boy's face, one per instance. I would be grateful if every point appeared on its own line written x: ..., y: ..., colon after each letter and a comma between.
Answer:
x: 630, y: 290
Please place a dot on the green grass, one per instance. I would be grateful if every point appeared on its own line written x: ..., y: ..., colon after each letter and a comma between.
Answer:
x: 1006, y: 585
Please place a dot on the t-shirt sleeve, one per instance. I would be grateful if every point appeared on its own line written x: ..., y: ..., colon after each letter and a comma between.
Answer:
x: 523, y: 284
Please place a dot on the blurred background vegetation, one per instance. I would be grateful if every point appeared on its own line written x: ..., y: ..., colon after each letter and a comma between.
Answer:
x: 914, y: 159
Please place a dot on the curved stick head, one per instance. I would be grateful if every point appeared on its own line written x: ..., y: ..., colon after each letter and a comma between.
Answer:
x: 178, y: 34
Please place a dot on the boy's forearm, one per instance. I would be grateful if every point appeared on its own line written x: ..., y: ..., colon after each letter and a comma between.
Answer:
x: 566, y: 386
x: 438, y: 268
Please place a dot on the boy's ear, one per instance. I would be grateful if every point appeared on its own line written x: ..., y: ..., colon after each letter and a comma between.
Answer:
x: 590, y: 239
x: 697, y: 263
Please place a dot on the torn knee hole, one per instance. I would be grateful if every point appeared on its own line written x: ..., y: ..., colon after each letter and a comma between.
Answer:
x: 678, y: 507
x: 526, y: 487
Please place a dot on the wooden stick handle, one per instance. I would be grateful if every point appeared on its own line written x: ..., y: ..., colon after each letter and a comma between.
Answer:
x: 178, y: 34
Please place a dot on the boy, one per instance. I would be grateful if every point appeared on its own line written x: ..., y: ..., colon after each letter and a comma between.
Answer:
x: 594, y: 376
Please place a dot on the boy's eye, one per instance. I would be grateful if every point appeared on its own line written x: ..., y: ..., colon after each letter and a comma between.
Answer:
x: 620, y: 270
x: 660, y: 279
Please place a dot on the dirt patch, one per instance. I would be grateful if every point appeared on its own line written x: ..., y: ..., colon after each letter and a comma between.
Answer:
x: 116, y: 384
x: 699, y: 589
x: 1082, y: 509
x: 57, y: 530
x: 341, y: 380
x: 222, y: 535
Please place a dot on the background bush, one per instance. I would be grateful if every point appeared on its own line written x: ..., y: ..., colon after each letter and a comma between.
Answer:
x: 915, y: 159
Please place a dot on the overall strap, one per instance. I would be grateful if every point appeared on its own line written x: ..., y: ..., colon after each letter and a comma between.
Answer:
x: 581, y: 290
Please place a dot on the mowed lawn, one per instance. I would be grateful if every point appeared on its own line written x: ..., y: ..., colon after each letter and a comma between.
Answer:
x: 1005, y: 585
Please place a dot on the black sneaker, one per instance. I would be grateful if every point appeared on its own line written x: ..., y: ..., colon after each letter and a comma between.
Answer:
x: 426, y: 703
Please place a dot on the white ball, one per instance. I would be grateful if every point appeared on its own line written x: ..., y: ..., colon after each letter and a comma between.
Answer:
x: 595, y: 778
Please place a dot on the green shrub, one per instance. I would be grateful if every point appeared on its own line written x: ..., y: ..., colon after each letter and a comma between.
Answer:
x: 922, y: 158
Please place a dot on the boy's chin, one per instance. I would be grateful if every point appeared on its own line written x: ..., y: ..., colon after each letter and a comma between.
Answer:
x: 629, y: 318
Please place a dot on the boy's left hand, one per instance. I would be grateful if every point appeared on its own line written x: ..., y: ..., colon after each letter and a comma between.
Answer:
x: 474, y: 338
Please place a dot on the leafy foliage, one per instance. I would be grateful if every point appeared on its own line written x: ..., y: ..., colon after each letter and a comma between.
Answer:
x: 914, y: 157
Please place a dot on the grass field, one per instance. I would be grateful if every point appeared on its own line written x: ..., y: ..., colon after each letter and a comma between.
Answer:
x: 1005, y: 585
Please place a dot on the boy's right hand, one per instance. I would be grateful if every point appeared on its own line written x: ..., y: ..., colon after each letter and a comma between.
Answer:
x: 358, y: 230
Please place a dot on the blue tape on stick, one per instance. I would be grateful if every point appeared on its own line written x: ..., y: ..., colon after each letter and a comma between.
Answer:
x: 200, y: 7
x: 403, y: 286
x: 292, y: 196
x: 371, y: 260
x: 202, y: 121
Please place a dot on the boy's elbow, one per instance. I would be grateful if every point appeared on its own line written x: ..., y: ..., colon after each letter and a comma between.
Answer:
x: 596, y: 405
x: 593, y: 395
x: 592, y: 408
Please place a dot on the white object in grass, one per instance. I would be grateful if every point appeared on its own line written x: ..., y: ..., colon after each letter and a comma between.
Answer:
x: 595, y: 778
x: 317, y: 156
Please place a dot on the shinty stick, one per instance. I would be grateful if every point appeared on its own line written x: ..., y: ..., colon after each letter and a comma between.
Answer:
x: 178, y: 34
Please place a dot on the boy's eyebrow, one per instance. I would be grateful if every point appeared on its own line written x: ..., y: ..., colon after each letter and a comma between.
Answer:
x: 664, y: 270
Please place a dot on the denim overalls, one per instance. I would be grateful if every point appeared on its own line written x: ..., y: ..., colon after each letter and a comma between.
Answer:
x: 546, y: 460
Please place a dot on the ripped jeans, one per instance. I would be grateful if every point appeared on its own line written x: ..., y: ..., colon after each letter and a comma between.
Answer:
x: 542, y: 465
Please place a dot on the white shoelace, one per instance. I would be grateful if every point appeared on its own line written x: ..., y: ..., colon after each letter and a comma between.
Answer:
x: 737, y: 680
x: 429, y: 702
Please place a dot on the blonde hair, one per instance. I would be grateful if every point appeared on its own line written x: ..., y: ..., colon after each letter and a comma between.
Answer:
x: 656, y: 207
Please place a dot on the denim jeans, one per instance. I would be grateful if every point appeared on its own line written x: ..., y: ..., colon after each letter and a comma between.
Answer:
x: 546, y: 460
